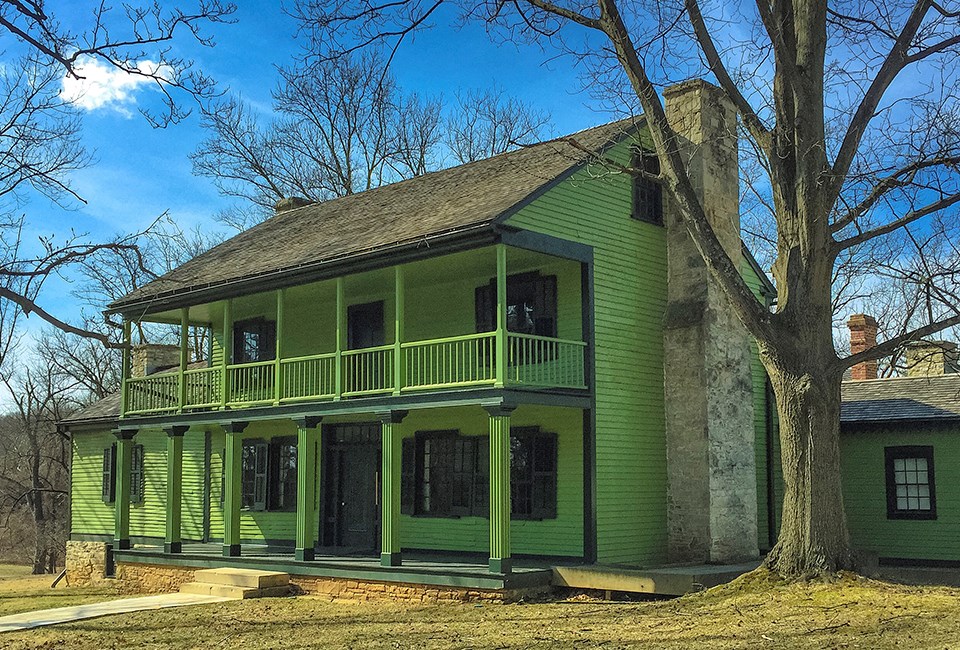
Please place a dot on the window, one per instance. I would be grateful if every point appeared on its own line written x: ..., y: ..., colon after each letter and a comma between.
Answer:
x: 109, y: 473
x: 911, y: 492
x: 268, y: 474
x: 365, y: 325
x: 531, y: 304
x: 254, y: 340
x: 647, y: 192
x: 445, y: 474
x: 137, y: 476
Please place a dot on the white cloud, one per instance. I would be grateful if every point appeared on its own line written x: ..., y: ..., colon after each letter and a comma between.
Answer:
x: 107, y: 87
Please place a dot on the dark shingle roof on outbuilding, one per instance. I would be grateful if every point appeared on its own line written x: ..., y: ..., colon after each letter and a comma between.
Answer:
x: 901, y: 399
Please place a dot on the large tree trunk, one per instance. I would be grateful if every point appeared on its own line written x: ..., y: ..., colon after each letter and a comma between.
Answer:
x: 813, y: 535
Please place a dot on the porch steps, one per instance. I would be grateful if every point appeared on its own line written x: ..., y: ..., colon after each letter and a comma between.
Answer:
x: 238, y: 583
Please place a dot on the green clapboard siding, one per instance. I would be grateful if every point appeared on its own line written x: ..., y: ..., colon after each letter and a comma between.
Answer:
x: 864, y: 494
x: 560, y: 536
x: 760, y: 406
x: 593, y: 207
x: 91, y: 516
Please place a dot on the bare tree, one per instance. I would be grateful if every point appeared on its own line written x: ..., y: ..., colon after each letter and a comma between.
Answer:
x: 34, y: 456
x: 487, y: 122
x: 341, y: 127
x: 851, y: 110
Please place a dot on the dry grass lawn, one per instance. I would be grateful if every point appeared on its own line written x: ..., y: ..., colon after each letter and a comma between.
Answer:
x: 22, y: 592
x: 754, y: 612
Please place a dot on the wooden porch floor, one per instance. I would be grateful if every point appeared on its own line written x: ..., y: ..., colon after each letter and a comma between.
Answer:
x: 417, y: 568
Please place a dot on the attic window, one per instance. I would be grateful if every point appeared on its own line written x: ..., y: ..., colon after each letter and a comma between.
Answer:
x: 647, y: 193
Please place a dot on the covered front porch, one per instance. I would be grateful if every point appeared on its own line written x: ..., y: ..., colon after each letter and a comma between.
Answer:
x: 369, y: 487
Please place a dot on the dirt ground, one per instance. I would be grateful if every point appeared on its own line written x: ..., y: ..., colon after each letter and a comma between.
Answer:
x: 754, y: 612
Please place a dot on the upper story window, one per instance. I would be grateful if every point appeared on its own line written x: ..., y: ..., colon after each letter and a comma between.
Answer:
x: 911, y: 493
x: 268, y: 474
x: 647, y: 193
x: 531, y: 304
x: 254, y: 340
x: 365, y: 325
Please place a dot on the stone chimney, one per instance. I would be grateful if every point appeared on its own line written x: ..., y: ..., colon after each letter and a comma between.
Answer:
x: 708, y: 390
x: 932, y: 358
x: 863, y: 336
x: 290, y: 203
x: 147, y: 358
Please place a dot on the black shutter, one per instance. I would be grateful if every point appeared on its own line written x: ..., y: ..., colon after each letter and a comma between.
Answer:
x: 545, y: 305
x: 485, y: 300
x: 481, y: 480
x: 268, y: 341
x: 544, y: 468
x: 109, y: 473
x: 408, y: 476
x: 136, y: 474
x: 274, y: 488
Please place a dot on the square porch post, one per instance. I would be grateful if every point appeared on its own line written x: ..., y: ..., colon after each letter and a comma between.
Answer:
x: 124, y: 367
x: 341, y: 331
x: 231, y: 488
x: 398, y: 309
x: 390, y: 554
x: 306, y: 486
x: 500, y: 376
x: 499, y: 416
x: 184, y: 358
x: 121, y: 536
x: 172, y: 542
x: 226, y: 353
x: 277, y: 353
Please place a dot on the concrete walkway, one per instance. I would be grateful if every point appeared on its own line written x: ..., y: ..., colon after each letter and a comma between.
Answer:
x: 27, y: 620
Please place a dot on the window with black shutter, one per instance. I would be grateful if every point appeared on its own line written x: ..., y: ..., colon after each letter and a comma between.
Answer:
x: 109, y: 486
x: 445, y: 474
x: 531, y: 304
x: 268, y: 474
x: 254, y: 340
x: 647, y: 192
x: 137, y: 477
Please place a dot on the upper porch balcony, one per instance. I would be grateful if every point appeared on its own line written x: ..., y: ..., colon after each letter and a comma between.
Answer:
x: 489, y: 317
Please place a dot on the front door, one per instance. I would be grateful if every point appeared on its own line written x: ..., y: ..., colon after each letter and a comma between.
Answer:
x: 352, y: 506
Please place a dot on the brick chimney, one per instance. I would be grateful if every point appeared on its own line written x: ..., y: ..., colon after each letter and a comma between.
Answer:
x: 863, y: 336
x: 708, y: 391
x: 931, y: 358
x: 148, y: 358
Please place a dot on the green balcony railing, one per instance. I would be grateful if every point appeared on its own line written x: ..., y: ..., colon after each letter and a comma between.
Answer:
x: 453, y: 362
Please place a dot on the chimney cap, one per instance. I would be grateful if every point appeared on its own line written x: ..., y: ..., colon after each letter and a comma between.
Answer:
x: 291, y: 203
x: 861, y: 320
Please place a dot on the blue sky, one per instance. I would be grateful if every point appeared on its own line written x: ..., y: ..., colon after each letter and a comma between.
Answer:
x: 140, y: 172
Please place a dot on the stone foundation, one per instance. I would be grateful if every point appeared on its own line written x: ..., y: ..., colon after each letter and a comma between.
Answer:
x: 136, y: 578
x: 86, y: 563
x: 361, y: 590
x: 151, y: 578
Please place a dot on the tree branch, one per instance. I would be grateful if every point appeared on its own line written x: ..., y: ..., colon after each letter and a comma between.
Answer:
x: 29, y: 306
x: 905, y: 220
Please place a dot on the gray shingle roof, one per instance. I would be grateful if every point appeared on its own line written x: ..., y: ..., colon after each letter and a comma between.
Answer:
x: 901, y: 399
x: 446, y: 201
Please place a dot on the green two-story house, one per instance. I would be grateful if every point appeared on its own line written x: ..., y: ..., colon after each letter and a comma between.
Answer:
x: 459, y: 379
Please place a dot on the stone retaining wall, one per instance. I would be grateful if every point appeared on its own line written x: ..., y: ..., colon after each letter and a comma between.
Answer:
x: 361, y: 590
x: 134, y: 578
x: 86, y: 563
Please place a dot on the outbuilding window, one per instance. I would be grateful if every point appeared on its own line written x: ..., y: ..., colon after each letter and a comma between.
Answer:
x: 911, y: 492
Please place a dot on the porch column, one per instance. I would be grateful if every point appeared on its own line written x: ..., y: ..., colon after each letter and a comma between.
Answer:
x: 226, y: 352
x: 500, y: 561
x: 341, y: 331
x: 124, y: 367
x: 398, y: 310
x: 501, y: 333
x: 306, y: 486
x: 172, y: 543
x: 121, y: 537
x: 184, y: 357
x: 277, y: 368
x: 390, y: 488
x: 231, y: 488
